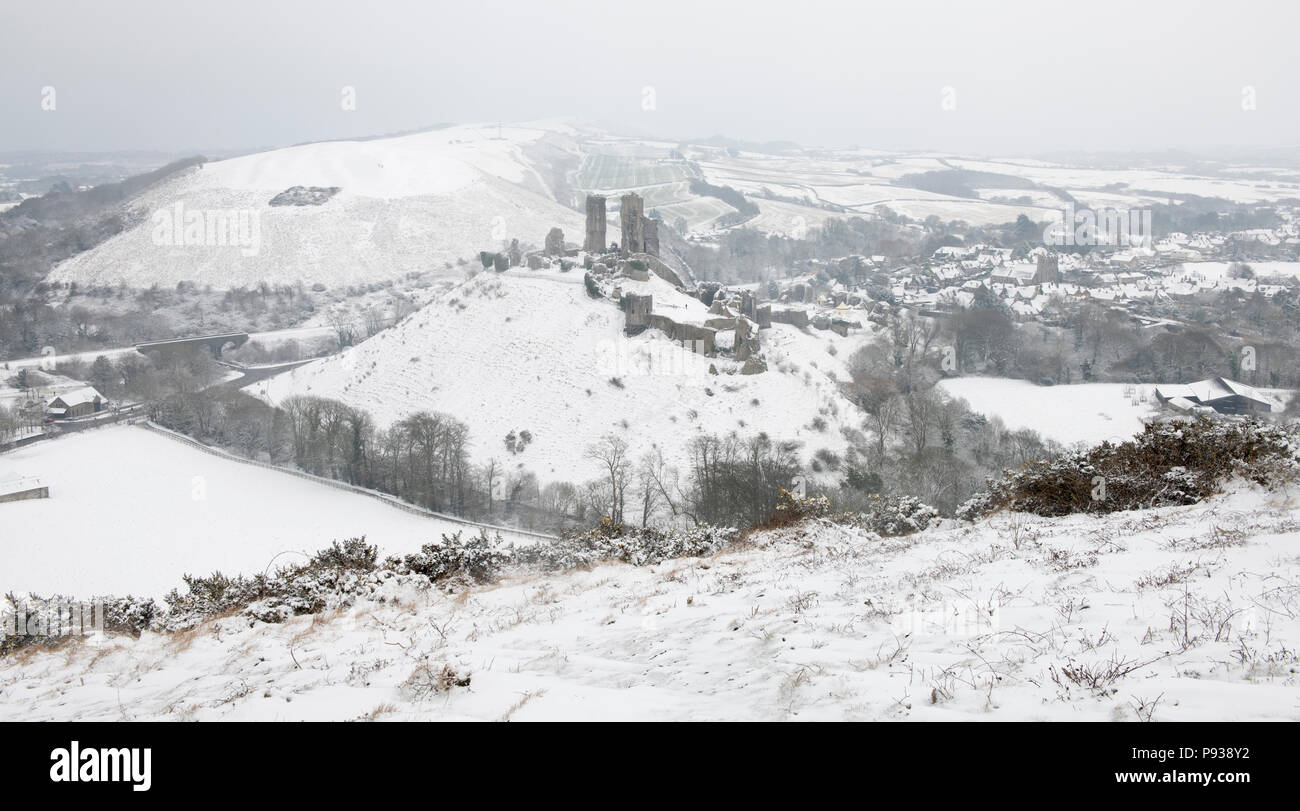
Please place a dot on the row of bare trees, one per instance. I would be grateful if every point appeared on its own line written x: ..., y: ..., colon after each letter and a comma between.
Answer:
x: 729, y: 480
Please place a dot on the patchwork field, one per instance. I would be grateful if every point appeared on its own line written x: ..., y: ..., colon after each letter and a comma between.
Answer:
x: 612, y: 172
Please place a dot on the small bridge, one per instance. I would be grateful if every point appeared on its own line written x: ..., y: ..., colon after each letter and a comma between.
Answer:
x: 215, y: 343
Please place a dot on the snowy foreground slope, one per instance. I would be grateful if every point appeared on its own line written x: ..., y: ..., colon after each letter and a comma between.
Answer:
x: 1189, y: 613
x: 130, y: 511
x: 531, y: 351
x: 404, y: 205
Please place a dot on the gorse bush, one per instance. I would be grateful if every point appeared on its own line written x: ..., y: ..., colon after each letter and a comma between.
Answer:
x: 791, y: 508
x: 478, y: 558
x: 1169, y: 463
x: 335, y: 577
x: 889, y: 516
x: 331, y: 578
x: 47, y: 621
x: 611, y: 540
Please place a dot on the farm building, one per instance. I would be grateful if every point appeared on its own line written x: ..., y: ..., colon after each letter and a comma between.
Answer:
x: 22, y: 489
x: 75, y: 403
x: 1217, y: 393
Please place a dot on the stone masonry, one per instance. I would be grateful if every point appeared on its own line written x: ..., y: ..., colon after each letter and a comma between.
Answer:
x: 595, y: 241
x: 631, y: 215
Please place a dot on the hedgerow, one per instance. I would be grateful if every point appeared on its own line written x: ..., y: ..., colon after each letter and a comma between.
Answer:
x: 337, y: 576
x: 1168, y: 463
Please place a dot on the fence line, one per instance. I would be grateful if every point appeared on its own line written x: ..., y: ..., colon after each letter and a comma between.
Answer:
x: 338, y: 485
x: 126, y: 414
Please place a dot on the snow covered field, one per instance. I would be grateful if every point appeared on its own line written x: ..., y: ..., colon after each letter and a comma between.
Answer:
x: 130, y: 511
x: 1082, y: 412
x: 1189, y: 613
x: 1218, y: 271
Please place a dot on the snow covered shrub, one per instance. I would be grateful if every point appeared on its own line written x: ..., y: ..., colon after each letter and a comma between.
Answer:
x: 478, y: 557
x: 639, y: 546
x: 212, y: 596
x: 353, y: 553
x: 791, y: 508
x: 1169, y: 463
x: 330, y: 578
x: 36, y: 620
x: 891, y: 515
x: 130, y: 616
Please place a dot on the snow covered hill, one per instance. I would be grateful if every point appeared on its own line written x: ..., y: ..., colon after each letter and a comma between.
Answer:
x: 531, y: 351
x: 406, y: 204
x: 375, y: 210
x: 1185, y: 613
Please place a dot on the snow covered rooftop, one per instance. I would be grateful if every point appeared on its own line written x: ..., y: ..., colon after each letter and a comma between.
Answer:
x: 75, y: 397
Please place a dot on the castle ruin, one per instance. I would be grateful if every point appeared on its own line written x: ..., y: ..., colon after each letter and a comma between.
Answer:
x: 595, y: 242
x: 631, y: 216
x: 639, y: 234
x: 651, y: 228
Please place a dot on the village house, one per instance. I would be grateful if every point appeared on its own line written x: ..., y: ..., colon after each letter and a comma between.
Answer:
x: 75, y: 403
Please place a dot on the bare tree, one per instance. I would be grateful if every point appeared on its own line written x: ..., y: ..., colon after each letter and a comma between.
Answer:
x: 611, y: 453
x: 491, y: 474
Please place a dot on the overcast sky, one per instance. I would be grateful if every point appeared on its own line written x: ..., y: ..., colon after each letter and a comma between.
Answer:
x: 1022, y: 77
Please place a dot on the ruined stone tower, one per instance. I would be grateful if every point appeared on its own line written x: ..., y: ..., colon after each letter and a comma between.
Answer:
x: 595, y: 242
x: 651, y: 236
x: 638, y: 309
x: 631, y: 215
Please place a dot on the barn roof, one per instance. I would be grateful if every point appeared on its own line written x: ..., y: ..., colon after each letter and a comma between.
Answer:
x: 76, y: 397
x: 1210, y: 390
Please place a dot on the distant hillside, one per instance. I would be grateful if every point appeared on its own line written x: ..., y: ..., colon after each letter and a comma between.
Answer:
x: 42, y: 231
x: 404, y: 204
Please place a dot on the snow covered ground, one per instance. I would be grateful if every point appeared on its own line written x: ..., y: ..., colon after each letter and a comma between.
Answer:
x: 1086, y: 413
x: 530, y: 350
x: 1081, y: 412
x: 1189, y: 613
x: 131, y: 511
x: 1216, y: 272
